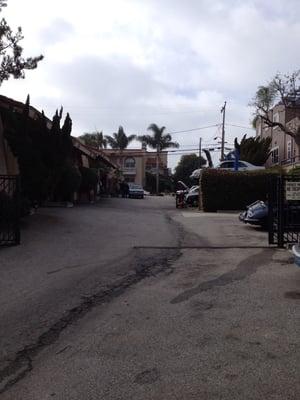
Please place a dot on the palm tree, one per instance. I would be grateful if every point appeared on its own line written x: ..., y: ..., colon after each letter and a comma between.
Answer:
x: 158, y: 141
x: 94, y: 139
x: 119, y: 140
x: 255, y: 150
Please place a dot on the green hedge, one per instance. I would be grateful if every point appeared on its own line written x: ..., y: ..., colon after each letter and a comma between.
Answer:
x: 89, y: 179
x: 294, y: 171
x: 224, y: 190
x: 70, y: 181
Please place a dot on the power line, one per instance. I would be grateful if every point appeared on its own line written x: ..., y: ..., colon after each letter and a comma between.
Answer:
x: 194, y: 129
x: 239, y: 126
x: 197, y: 149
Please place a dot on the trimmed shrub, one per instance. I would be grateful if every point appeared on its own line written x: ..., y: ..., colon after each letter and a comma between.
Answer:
x: 224, y: 190
x: 294, y: 171
x: 89, y: 179
x: 69, y: 182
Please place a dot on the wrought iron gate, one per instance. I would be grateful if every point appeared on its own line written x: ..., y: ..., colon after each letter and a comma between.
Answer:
x: 284, y: 210
x: 9, y: 210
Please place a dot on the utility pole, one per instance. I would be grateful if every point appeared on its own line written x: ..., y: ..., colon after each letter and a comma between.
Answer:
x: 223, y: 109
x: 200, y: 149
x: 157, y: 168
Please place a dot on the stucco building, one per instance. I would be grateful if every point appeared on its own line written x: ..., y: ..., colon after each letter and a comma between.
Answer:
x: 134, y: 163
x: 284, y: 150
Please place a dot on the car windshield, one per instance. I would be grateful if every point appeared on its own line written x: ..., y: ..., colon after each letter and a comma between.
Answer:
x: 135, y: 186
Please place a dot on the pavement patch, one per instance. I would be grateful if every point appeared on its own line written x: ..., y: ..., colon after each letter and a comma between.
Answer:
x: 292, y: 295
x: 246, y: 267
x: 147, y: 377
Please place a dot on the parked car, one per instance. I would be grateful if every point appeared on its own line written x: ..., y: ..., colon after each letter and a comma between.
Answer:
x: 192, y: 197
x: 229, y: 165
x: 242, y: 166
x: 135, y: 191
x: 255, y: 214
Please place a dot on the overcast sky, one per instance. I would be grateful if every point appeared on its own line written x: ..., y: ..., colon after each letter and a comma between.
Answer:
x: 171, y: 62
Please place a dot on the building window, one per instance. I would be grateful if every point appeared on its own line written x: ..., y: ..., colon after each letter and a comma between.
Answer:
x: 289, y: 149
x: 129, y: 162
x: 276, y: 117
x: 275, y: 155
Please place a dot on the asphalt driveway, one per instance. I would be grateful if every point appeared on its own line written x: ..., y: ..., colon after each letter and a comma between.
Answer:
x: 208, y: 312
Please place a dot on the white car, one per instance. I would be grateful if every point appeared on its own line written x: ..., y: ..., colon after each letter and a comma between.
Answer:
x: 229, y: 166
x: 242, y: 166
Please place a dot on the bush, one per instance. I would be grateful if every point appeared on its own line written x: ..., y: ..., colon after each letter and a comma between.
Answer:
x: 165, y: 183
x: 89, y: 179
x: 224, y: 190
x: 294, y: 171
x: 69, y: 182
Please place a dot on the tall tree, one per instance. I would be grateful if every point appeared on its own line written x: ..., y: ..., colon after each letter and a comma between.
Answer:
x: 158, y: 141
x: 43, y: 154
x: 255, y: 150
x: 94, y: 139
x: 12, y: 63
x: 187, y: 164
x: 119, y: 140
x: 283, y: 89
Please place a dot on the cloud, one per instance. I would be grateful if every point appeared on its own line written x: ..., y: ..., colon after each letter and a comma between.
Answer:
x: 57, y: 31
x: 172, y: 62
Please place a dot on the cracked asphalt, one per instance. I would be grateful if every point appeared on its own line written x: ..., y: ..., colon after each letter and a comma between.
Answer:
x: 134, y: 299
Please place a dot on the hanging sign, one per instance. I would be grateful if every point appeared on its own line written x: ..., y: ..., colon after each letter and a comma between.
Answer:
x: 292, y: 190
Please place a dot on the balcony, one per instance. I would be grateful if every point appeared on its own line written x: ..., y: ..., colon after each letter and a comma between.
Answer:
x: 129, y: 170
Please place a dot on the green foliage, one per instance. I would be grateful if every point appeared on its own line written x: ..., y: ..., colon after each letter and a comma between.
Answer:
x: 165, y: 183
x: 223, y: 190
x: 158, y: 138
x: 89, y: 179
x: 42, y: 153
x: 11, y: 61
x: 294, y: 171
x: 69, y: 182
x: 187, y: 164
x: 119, y: 140
x: 94, y: 139
x: 255, y: 150
x: 265, y: 97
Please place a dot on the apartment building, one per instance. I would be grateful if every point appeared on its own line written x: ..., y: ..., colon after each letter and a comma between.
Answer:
x: 135, y: 163
x: 284, y: 150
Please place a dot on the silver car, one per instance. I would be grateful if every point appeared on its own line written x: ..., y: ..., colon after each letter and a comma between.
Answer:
x: 135, y: 191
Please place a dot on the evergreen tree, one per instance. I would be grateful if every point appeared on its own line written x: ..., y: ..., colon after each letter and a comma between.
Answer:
x: 12, y: 63
x: 187, y: 164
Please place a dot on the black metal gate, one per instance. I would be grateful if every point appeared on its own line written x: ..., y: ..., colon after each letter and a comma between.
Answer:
x: 9, y: 210
x: 284, y: 210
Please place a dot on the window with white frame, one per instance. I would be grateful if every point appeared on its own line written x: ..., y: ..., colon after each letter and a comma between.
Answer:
x: 276, y: 117
x: 275, y: 155
x: 129, y: 162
